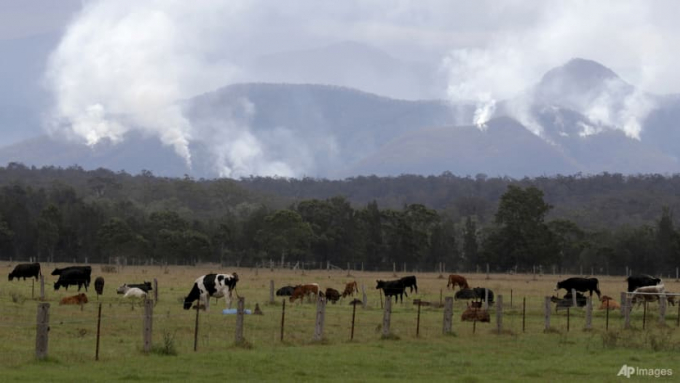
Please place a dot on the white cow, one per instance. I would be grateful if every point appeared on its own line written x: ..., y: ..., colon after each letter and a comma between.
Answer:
x: 649, y: 294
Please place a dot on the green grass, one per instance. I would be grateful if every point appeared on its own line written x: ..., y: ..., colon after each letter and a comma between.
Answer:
x: 534, y: 355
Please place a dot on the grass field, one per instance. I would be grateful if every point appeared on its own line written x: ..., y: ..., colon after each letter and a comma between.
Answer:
x: 514, y: 355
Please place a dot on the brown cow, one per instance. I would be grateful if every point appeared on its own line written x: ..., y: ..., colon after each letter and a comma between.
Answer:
x: 609, y: 304
x: 475, y: 314
x: 459, y: 280
x: 74, y: 300
x: 350, y: 288
x: 304, y: 290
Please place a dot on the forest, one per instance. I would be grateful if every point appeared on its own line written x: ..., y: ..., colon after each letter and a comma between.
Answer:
x: 605, y: 223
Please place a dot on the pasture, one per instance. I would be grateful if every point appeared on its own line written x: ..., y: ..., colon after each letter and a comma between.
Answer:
x: 408, y: 355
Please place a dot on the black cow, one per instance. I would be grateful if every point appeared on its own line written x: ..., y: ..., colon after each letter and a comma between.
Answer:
x: 580, y: 284
x: 74, y: 276
x: 481, y: 294
x: 410, y: 281
x: 99, y: 286
x: 332, y: 295
x: 285, y: 291
x: 465, y: 294
x: 642, y: 280
x: 393, y: 288
x: 25, y: 270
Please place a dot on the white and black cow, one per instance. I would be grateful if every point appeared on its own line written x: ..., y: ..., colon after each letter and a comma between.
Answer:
x: 580, y: 285
x: 25, y: 270
x: 211, y: 285
x: 635, y: 281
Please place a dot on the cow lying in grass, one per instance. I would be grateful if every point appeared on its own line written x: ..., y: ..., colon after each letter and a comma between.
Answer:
x: 78, y: 299
x: 474, y: 314
x: 607, y: 303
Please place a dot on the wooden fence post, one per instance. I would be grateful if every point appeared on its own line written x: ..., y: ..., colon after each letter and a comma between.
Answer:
x: 448, y: 314
x: 574, y: 303
x: 499, y: 314
x: 155, y: 290
x: 283, y: 317
x: 239, y: 320
x: 42, y: 330
x: 386, y: 317
x: 524, y: 313
x: 148, y: 324
x: 486, y: 299
x: 547, y: 313
x: 99, y: 322
x: 487, y: 271
x: 271, y: 291
x: 42, y: 287
x: 354, y: 314
x: 589, y: 313
x: 418, y: 320
x: 320, y: 314
x: 623, y: 305
x: 626, y: 312
x: 198, y: 308
x: 364, y: 297
x: 662, y: 309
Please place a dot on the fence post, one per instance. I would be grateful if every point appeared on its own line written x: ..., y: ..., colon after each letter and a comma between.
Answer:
x: 486, y: 298
x: 448, y: 314
x: 320, y: 314
x: 623, y: 303
x: 662, y: 309
x: 364, y: 300
x: 198, y: 308
x: 148, y: 324
x: 574, y: 303
x: 386, y: 317
x: 626, y: 312
x: 354, y: 313
x: 42, y: 330
x: 487, y: 271
x: 155, y: 290
x: 547, y: 313
x: 283, y: 317
x: 99, y: 322
x: 418, y: 320
x: 42, y: 288
x: 271, y: 291
x: 239, y: 320
x: 499, y: 314
x: 524, y: 313
x: 589, y: 313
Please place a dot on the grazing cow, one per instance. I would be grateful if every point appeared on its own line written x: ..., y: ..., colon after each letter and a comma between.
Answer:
x: 410, y: 281
x: 648, y: 294
x: 481, y: 294
x: 99, y: 286
x: 459, y: 280
x: 465, y: 294
x: 393, y: 288
x: 146, y: 286
x: 332, y: 295
x: 74, y: 300
x: 212, y: 285
x: 350, y: 289
x: 608, y: 303
x: 580, y: 285
x: 77, y: 275
x: 285, y: 291
x: 473, y: 314
x: 25, y: 270
x: 568, y: 301
x: 302, y: 291
x: 635, y: 281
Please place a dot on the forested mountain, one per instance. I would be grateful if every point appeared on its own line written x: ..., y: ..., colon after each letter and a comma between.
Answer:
x: 605, y: 222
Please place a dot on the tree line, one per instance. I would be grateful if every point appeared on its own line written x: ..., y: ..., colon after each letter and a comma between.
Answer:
x: 67, y: 215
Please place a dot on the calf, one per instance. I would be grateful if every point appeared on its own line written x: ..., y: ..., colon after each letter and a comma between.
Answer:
x: 393, y: 288
x: 146, y: 286
x: 648, y: 294
x: 459, y: 280
x: 580, y: 285
x: 608, y: 303
x: 641, y: 280
x: 25, y: 270
x: 332, y: 295
x: 302, y: 291
x: 410, y: 281
x: 74, y: 300
x: 473, y: 314
x: 99, y: 286
x: 350, y: 288
x: 135, y: 292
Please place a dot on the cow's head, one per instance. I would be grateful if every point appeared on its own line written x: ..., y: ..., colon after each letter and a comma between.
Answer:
x: 11, y: 276
x: 82, y: 298
x: 380, y: 285
x: 56, y: 285
x: 123, y: 288
x: 187, y: 304
x: 559, y: 286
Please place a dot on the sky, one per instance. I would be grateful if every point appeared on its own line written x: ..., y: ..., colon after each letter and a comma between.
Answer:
x: 121, y: 65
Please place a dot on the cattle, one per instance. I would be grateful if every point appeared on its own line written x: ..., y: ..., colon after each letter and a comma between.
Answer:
x: 99, y: 286
x: 25, y: 270
x: 332, y: 295
x: 146, y: 286
x: 410, y: 281
x: 465, y: 294
x: 350, y: 289
x: 302, y: 291
x: 648, y: 294
x: 393, y: 288
x: 77, y: 275
x: 211, y: 285
x: 580, y: 285
x: 74, y: 300
x: 135, y: 292
x: 635, y: 281
x: 285, y: 291
x: 568, y: 301
x: 473, y: 314
x: 458, y: 280
x: 481, y: 293
x: 607, y: 303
